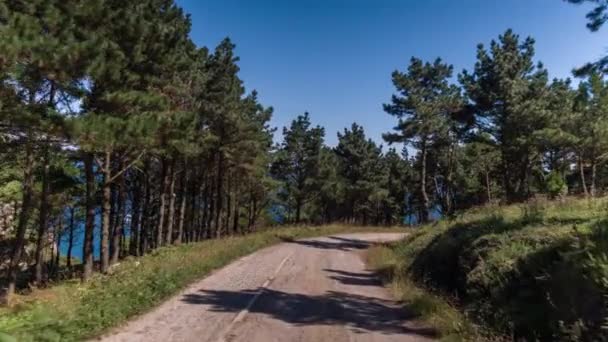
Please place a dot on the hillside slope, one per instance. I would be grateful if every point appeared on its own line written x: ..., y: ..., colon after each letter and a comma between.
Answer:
x: 536, y: 272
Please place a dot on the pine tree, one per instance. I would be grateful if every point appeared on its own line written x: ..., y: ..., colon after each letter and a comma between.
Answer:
x: 509, y: 93
x: 42, y: 59
x: 423, y: 104
x: 360, y: 165
x: 297, y: 163
x: 592, y: 128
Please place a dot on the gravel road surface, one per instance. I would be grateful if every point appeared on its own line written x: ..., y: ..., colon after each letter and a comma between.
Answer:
x: 307, y: 290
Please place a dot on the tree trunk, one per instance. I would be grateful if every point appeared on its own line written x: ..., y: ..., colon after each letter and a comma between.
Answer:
x: 581, y: 169
x: 24, y: 216
x: 136, y: 217
x: 89, y: 227
x: 71, y: 237
x: 226, y: 227
x: 424, y: 210
x: 592, y: 188
x: 218, y: 195
x: 171, y: 218
x: 119, y: 222
x: 194, y: 210
x: 42, y: 221
x: 182, y: 208
x: 449, y: 199
x: 163, y: 201
x: 208, y: 197
x: 57, y: 245
x: 298, y: 210
x: 235, y: 223
x: 146, y: 222
x: 250, y: 212
x: 106, y: 213
x: 488, y: 186
x: 255, y: 215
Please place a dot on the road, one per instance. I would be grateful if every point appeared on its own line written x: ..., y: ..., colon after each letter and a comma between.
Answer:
x: 307, y: 290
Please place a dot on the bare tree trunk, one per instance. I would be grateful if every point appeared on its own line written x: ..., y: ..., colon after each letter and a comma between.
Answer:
x: 146, y: 222
x: 254, y: 216
x: 171, y: 218
x: 89, y: 228
x: 488, y: 187
x: 163, y: 204
x: 235, y: 224
x: 42, y: 221
x: 582, y: 174
x: 182, y: 207
x: 106, y: 212
x: 71, y: 237
x: 449, y: 199
x: 198, y: 200
x: 226, y: 227
x: 298, y: 211
x: 119, y: 223
x: 24, y: 216
x: 136, y: 217
x: 57, y: 245
x: 208, y: 197
x: 424, y: 211
x: 592, y: 189
x: 218, y: 196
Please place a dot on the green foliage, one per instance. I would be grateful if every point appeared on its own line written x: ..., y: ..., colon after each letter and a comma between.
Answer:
x: 509, y: 94
x: 532, y: 273
x: 361, y: 167
x: 297, y: 163
x: 556, y: 185
x: 427, y: 107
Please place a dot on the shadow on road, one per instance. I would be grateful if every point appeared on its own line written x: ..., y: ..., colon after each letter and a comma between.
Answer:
x: 333, y: 308
x: 350, y: 278
x: 338, y: 243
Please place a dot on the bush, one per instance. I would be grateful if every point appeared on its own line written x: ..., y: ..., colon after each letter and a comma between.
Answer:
x: 556, y: 185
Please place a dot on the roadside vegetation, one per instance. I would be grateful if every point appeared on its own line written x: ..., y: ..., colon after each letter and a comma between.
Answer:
x: 536, y: 271
x: 431, y: 309
x: 71, y: 310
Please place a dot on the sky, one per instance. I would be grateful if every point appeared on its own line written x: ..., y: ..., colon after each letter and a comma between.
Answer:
x: 334, y: 58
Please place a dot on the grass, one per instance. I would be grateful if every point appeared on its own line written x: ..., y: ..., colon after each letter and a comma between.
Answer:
x: 537, y: 271
x: 72, y: 311
x: 433, y: 310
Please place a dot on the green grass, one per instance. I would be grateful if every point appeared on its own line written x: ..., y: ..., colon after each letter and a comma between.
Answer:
x: 431, y: 309
x: 531, y: 272
x: 73, y: 311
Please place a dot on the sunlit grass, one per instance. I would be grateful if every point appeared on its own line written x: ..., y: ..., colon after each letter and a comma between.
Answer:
x: 74, y: 311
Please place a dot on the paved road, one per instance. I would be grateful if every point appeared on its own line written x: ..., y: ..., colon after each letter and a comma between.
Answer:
x: 307, y: 290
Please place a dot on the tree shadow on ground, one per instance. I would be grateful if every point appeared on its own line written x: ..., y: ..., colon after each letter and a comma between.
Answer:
x: 363, y: 314
x: 351, y: 278
x: 338, y: 243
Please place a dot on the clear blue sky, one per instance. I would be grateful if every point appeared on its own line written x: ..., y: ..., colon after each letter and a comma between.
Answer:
x: 334, y: 58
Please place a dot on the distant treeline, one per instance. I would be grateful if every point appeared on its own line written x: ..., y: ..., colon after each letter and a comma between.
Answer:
x: 112, y: 118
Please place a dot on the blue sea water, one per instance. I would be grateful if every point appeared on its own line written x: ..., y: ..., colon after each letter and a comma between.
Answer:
x: 78, y: 236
